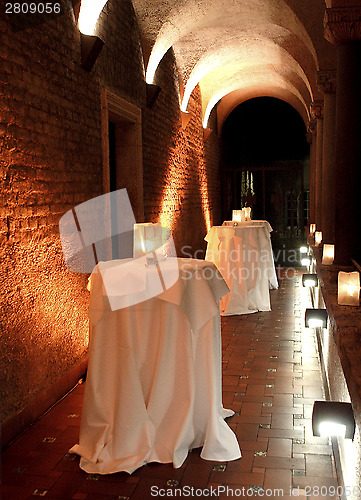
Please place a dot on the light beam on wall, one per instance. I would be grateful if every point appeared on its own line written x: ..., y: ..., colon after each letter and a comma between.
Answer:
x: 174, y: 187
x: 203, y: 185
x: 161, y: 47
x: 208, y: 111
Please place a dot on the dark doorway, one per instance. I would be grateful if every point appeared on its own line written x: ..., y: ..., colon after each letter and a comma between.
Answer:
x: 266, y: 167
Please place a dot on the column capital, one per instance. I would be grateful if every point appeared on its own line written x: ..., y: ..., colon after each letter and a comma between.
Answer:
x: 326, y: 81
x: 342, y: 24
x: 316, y: 110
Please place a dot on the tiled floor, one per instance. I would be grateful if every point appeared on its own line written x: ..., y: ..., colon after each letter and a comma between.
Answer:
x: 271, y: 376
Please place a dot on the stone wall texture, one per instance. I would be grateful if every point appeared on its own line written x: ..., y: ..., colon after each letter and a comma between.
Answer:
x: 52, y: 160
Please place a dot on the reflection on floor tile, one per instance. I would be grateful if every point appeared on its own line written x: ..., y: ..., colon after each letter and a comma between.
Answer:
x: 271, y: 376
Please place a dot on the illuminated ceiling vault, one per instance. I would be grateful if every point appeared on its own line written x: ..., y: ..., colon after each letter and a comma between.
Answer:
x: 234, y: 49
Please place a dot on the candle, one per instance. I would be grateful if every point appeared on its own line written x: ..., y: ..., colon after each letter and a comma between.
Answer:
x: 148, y: 238
x: 247, y: 213
x: 348, y: 288
x: 238, y: 216
x: 328, y: 254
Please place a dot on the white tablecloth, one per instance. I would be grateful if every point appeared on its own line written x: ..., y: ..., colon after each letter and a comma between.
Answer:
x: 153, y: 389
x: 244, y: 256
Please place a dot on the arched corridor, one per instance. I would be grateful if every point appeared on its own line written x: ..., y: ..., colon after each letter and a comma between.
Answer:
x: 265, y: 165
x: 196, y: 108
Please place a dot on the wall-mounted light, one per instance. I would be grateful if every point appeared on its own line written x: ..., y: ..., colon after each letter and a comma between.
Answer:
x: 318, y: 237
x: 348, y: 293
x: 305, y: 261
x: 91, y: 47
x: 316, y: 318
x: 312, y: 228
x: 333, y: 418
x: 309, y: 280
x: 186, y: 117
x: 152, y: 92
x: 303, y: 249
x: 328, y: 254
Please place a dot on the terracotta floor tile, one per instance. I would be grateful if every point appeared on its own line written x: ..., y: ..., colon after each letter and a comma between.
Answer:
x: 197, y: 474
x: 313, y: 392
x: 251, y: 409
x: 243, y: 478
x: 315, y: 449
x: 321, y: 463
x: 281, y: 433
x: 277, y: 479
x: 255, y: 390
x: 279, y: 447
x: 303, y: 481
x: 281, y: 421
x: 259, y: 445
x: 283, y: 400
x: 144, y: 488
x: 279, y: 463
x: 67, y: 485
x: 247, y: 431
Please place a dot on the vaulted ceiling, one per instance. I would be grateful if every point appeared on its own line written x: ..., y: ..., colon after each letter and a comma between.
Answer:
x: 234, y: 49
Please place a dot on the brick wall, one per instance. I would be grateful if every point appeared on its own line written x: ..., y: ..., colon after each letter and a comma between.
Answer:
x: 178, y: 165
x: 51, y: 160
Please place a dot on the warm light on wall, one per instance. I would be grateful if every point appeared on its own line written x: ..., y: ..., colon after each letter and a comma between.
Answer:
x: 328, y: 254
x: 89, y: 13
x: 209, y: 108
x: 312, y: 228
x: 318, y: 237
x: 348, y: 288
x: 205, y: 195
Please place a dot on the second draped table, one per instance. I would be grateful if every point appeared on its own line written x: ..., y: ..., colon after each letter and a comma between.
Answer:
x: 153, y: 388
x: 244, y: 256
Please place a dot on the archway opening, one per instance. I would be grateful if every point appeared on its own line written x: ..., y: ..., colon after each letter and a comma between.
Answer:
x: 265, y: 165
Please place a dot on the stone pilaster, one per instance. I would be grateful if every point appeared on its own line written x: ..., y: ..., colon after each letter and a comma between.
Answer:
x: 343, y: 29
x: 316, y: 111
x: 311, y: 138
x: 326, y: 82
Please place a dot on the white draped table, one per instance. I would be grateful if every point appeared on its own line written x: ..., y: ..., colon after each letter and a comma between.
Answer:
x: 153, y: 388
x: 244, y: 256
